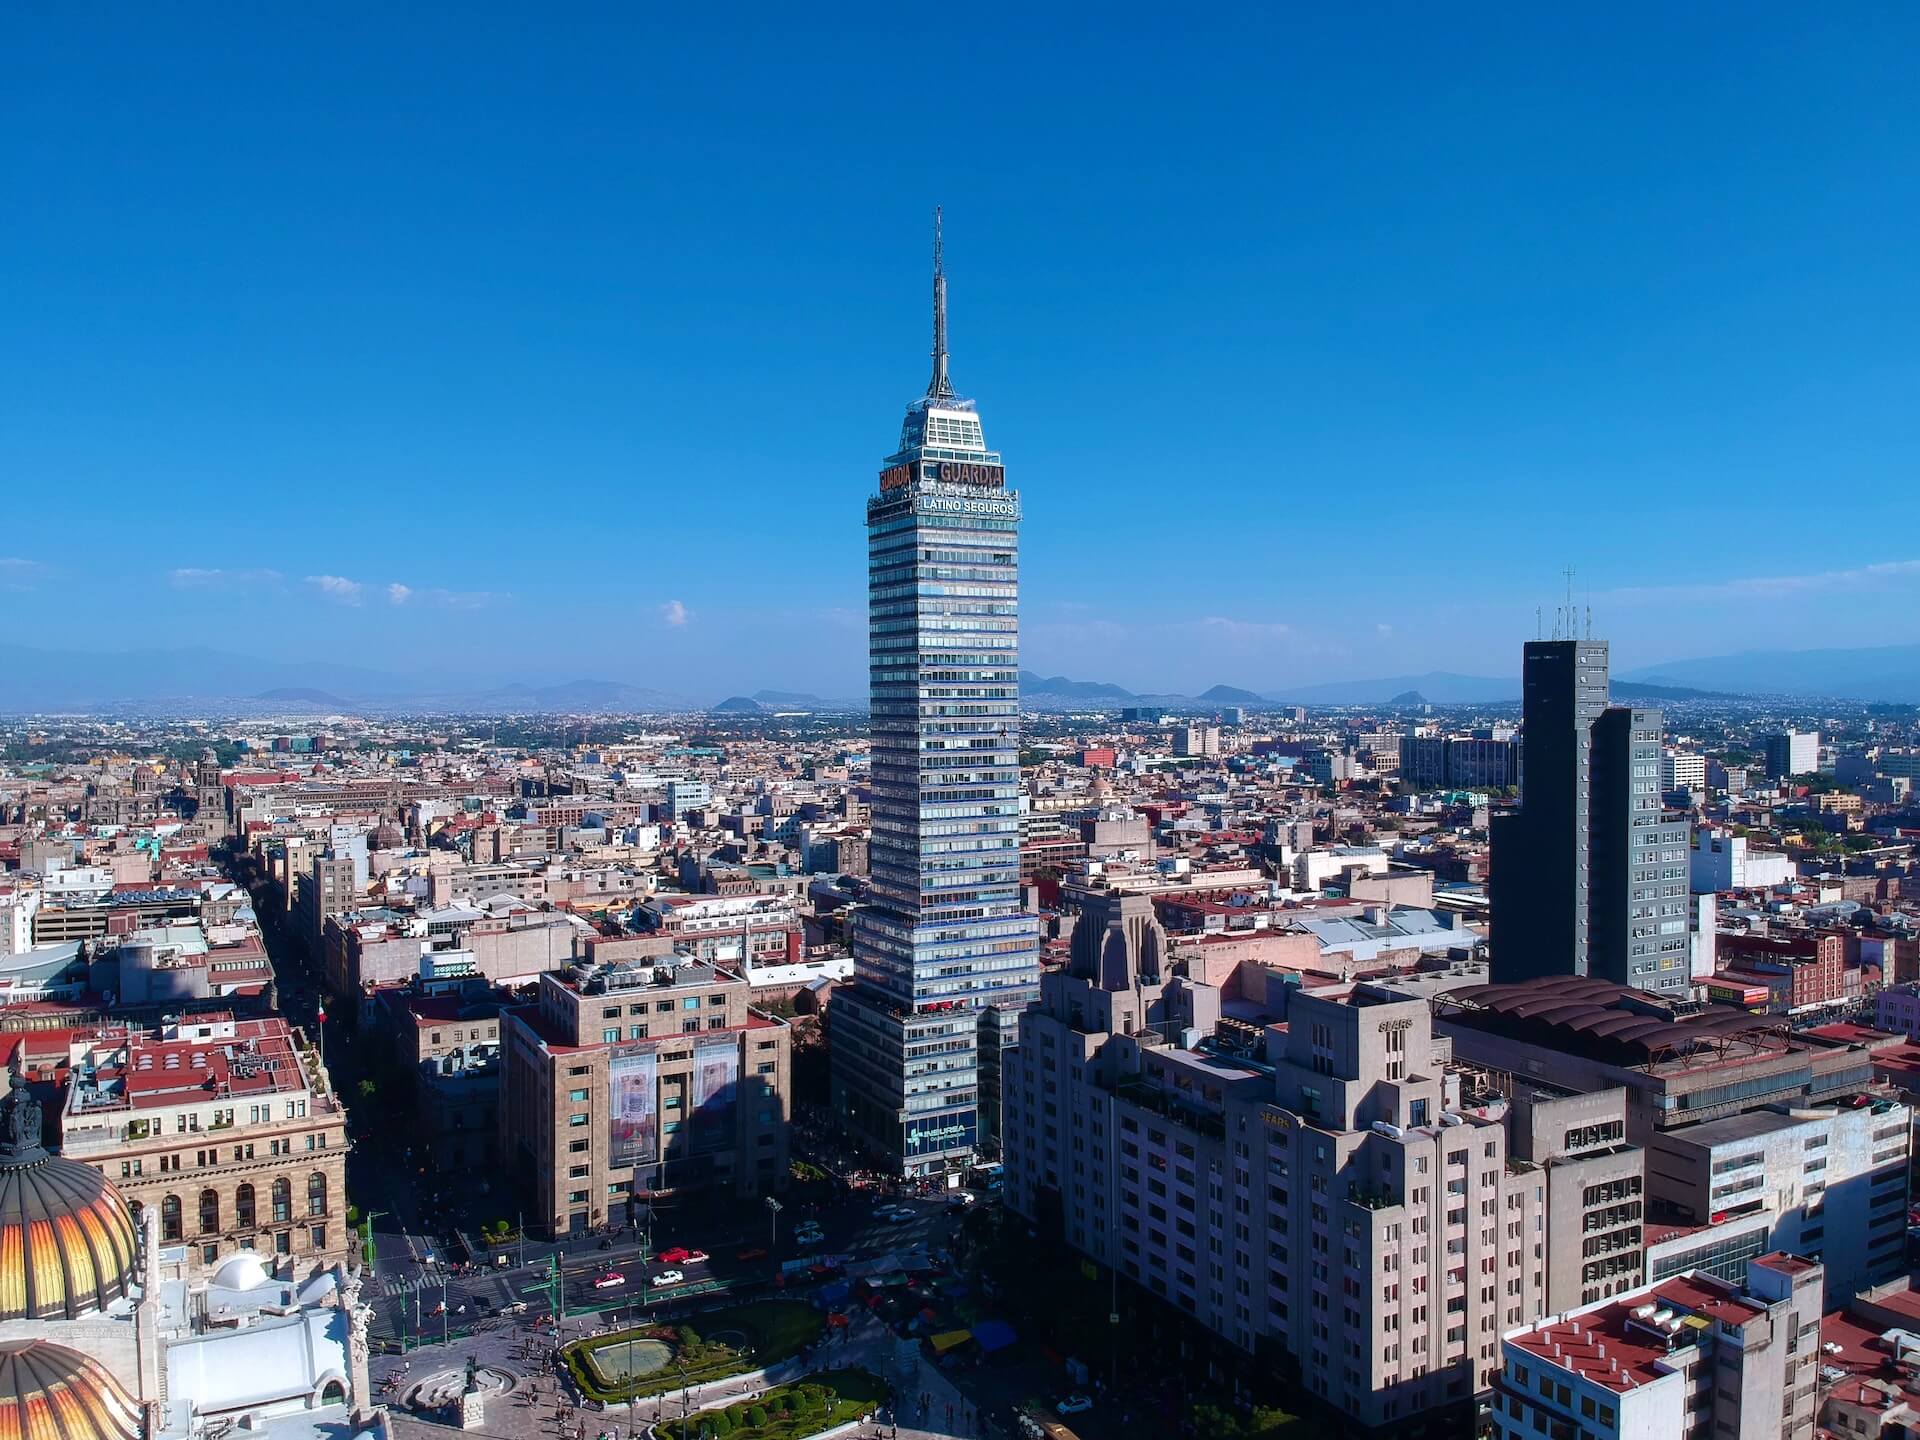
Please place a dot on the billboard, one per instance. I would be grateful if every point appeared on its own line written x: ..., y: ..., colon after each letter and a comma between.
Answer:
x: 632, y: 1090
x: 931, y: 1134
x: 716, y: 1084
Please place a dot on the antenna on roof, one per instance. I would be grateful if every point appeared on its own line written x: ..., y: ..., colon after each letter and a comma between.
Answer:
x: 940, y: 387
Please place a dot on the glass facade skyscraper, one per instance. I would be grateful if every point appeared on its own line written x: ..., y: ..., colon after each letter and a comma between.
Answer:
x: 942, y: 950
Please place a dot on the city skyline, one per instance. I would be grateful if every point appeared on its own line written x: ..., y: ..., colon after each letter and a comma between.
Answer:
x: 461, y: 307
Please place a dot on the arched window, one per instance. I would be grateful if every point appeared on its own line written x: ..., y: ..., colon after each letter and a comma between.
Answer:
x: 209, y: 1212
x: 333, y: 1392
x: 243, y: 1207
x: 282, y: 1201
x: 170, y: 1227
x: 316, y: 1194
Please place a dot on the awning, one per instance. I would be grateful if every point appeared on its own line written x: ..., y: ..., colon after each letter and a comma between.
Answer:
x: 948, y: 1340
x: 992, y: 1335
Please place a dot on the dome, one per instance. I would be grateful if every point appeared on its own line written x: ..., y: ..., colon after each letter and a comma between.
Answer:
x: 242, y: 1272
x: 387, y: 836
x: 50, y: 1390
x: 67, y: 1240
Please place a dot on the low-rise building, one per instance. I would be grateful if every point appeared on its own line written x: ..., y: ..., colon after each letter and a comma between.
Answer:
x: 1690, y: 1356
x: 225, y: 1127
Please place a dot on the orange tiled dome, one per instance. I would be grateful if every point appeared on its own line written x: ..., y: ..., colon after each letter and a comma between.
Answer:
x: 49, y: 1390
x: 67, y: 1242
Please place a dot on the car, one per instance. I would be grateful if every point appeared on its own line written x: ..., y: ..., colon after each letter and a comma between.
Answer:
x: 613, y: 1279
x: 896, y: 1214
x: 673, y: 1256
x: 1074, y: 1405
x: 668, y: 1277
x: 959, y: 1200
x: 518, y: 1307
x: 694, y: 1257
x: 755, y: 1253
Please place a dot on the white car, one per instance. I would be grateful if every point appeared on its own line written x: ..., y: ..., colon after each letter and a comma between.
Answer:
x: 895, y: 1214
x: 609, y: 1280
x: 668, y: 1277
x: 1074, y: 1405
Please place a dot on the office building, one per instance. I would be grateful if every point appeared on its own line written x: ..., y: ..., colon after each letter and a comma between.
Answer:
x: 1832, y: 1180
x: 943, y: 936
x: 1197, y: 741
x: 1791, y: 753
x: 1589, y: 875
x: 1596, y: 1186
x: 1683, y: 770
x: 1332, y: 1190
x: 1460, y: 762
x: 1690, y: 1356
x: 626, y: 1079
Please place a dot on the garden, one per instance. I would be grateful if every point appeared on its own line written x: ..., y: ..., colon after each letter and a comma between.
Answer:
x: 654, y: 1359
x: 788, y: 1412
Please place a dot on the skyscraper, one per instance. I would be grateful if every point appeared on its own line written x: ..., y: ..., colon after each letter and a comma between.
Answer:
x: 1589, y: 876
x: 942, y: 951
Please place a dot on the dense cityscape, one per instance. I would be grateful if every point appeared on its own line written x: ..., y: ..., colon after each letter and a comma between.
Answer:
x: 892, y: 1006
x: 1462, y: 1048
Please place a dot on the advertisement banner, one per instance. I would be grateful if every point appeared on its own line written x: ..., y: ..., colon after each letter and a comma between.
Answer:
x: 931, y: 1134
x: 632, y: 1088
x: 716, y: 1082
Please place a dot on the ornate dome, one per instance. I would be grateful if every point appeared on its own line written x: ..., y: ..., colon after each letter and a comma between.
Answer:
x: 67, y: 1240
x: 387, y: 836
x: 48, y: 1390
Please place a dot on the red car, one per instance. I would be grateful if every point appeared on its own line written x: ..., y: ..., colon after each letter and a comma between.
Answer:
x: 675, y: 1256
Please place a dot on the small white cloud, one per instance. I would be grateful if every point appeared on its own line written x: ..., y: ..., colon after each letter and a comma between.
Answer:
x: 337, y: 588
x: 190, y: 578
x: 1383, y: 630
x: 399, y: 594
x: 17, y: 573
x: 675, y: 614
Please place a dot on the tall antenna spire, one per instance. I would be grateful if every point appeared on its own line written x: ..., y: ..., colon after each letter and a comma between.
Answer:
x: 940, y: 387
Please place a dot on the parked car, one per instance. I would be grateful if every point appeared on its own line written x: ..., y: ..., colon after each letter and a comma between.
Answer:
x: 613, y: 1279
x: 668, y: 1277
x: 517, y: 1307
x: 673, y: 1256
x: 1074, y: 1405
x: 693, y: 1257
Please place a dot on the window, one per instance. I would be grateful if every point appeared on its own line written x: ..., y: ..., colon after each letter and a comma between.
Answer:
x: 243, y: 1207
x: 171, y: 1227
x: 283, y: 1243
x: 209, y: 1212
x: 577, y: 1120
x: 577, y: 1095
x: 316, y: 1194
x: 318, y: 1235
x: 282, y: 1201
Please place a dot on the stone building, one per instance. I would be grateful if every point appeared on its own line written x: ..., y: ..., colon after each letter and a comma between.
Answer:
x: 225, y: 1128
x: 629, y: 1079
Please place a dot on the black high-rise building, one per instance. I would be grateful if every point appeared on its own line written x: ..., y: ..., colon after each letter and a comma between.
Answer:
x: 1588, y: 875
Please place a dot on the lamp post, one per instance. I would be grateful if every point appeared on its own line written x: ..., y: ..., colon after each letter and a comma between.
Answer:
x: 773, y: 1218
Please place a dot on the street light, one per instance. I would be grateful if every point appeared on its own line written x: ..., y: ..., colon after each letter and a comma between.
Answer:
x: 773, y: 1212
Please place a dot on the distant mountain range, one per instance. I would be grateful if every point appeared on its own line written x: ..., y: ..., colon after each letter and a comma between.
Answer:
x: 33, y: 679
x: 1436, y: 687
x: 1879, y: 673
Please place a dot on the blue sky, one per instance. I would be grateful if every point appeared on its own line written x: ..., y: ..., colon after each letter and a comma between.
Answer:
x: 1318, y: 343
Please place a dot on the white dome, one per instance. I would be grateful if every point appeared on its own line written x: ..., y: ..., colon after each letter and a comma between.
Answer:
x: 242, y: 1272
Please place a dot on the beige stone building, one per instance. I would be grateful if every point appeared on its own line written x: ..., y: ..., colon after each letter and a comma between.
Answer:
x: 641, y: 1078
x: 225, y: 1128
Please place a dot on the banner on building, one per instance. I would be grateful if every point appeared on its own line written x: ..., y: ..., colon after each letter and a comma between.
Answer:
x: 632, y: 1088
x: 716, y: 1085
